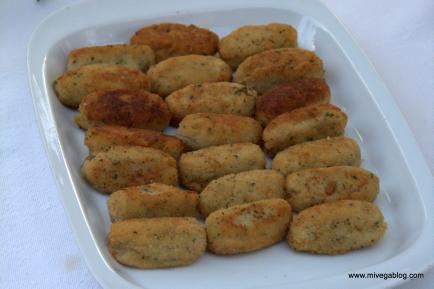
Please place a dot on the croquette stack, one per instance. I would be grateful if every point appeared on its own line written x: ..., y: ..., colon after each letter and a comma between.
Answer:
x: 233, y: 101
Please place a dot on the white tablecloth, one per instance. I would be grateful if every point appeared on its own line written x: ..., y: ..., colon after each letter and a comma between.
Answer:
x: 37, y: 249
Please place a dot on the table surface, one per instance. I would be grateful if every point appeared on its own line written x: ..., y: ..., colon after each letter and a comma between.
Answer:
x: 37, y: 246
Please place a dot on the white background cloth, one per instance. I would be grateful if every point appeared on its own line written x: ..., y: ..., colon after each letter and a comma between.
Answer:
x: 37, y: 249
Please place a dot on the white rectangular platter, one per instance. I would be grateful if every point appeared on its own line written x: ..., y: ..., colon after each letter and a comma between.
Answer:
x: 388, y: 147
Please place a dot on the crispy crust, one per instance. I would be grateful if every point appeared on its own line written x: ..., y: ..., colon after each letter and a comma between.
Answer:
x: 327, y: 152
x: 126, y: 166
x: 202, y: 130
x: 244, y: 187
x: 216, y: 97
x: 133, y: 56
x: 73, y: 85
x: 139, y: 109
x: 287, y: 97
x: 152, y: 201
x: 303, y: 124
x: 311, y: 187
x: 248, y: 227
x: 101, y: 138
x: 251, y: 39
x: 264, y: 70
x: 178, y: 72
x: 337, y: 227
x: 172, y: 39
x: 199, y: 167
x: 158, y: 242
